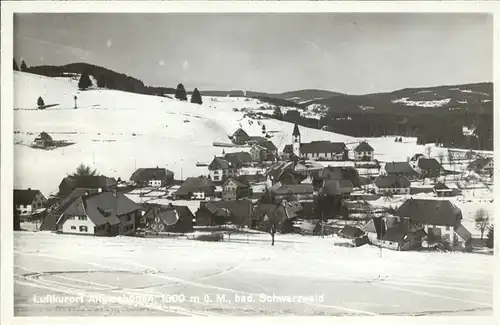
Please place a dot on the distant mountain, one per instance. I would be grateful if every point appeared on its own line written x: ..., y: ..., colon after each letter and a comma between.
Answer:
x: 476, y: 98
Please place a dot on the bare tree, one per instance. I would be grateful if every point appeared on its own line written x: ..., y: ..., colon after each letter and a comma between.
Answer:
x: 272, y: 220
x: 482, y: 220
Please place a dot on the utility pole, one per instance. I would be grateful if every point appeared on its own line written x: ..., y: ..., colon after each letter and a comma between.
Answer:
x: 75, y: 98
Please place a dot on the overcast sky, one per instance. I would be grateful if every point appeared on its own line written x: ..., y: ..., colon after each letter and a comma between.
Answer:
x: 348, y: 52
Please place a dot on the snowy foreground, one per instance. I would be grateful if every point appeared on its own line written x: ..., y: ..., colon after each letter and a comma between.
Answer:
x: 247, y: 276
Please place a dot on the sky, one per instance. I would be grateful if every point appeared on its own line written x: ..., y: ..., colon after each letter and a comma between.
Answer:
x: 354, y: 53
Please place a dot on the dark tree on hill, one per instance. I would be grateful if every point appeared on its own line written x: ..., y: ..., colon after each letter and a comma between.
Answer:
x: 84, y: 81
x: 16, y: 68
x: 277, y: 113
x: 24, y: 66
x: 196, y: 97
x: 17, y: 221
x: 40, y: 102
x: 490, y: 237
x: 180, y: 92
x: 101, y: 81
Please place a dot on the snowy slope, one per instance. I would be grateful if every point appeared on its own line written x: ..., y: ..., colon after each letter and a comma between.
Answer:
x: 116, y: 131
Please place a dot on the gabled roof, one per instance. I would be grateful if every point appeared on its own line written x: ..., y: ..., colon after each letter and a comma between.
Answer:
x: 323, y: 147
x: 432, y: 212
x: 169, y: 214
x: 44, y: 136
x: 239, y: 158
x: 74, y: 182
x: 25, y: 197
x: 363, y: 146
x: 394, y: 235
x: 239, y: 209
x: 337, y: 187
x: 219, y: 163
x: 429, y: 164
x: 147, y: 174
x: 463, y: 233
x: 239, y: 182
x: 240, y: 132
x: 268, y: 145
x: 441, y: 186
x: 196, y: 184
x: 351, y: 232
x: 401, y: 167
x: 392, y: 181
x: 479, y: 163
x: 369, y: 227
x: 296, y: 131
x: 295, y: 189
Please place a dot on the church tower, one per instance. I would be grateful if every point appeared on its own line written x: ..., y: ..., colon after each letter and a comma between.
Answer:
x: 296, y: 140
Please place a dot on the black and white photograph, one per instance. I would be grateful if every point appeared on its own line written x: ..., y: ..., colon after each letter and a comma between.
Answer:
x: 251, y: 163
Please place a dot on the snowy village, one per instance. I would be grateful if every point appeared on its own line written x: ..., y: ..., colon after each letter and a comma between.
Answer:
x: 229, y: 202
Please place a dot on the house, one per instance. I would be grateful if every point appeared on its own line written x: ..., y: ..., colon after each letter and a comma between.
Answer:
x: 339, y: 173
x: 263, y: 151
x: 402, y: 168
x: 299, y: 192
x: 282, y: 213
x: 400, y: 239
x: 392, y: 184
x: 236, y: 212
x: 107, y: 213
x: 220, y: 169
x: 481, y: 165
x: 240, y: 137
x: 168, y: 218
x: 356, y: 236
x: 428, y: 168
x: 364, y: 152
x: 440, y: 219
x: 154, y: 177
x: 442, y: 190
x: 70, y: 183
x: 196, y: 188
x: 235, y: 188
x: 56, y: 209
x: 44, y: 140
x: 317, y: 150
x: 239, y: 159
x: 335, y: 187
x: 28, y: 202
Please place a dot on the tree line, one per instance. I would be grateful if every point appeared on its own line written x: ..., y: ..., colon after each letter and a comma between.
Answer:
x: 442, y: 129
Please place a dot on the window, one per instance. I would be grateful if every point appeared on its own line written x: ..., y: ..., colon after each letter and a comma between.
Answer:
x: 216, y: 178
x: 82, y: 218
x: 216, y: 172
x: 73, y: 227
x: 83, y: 228
x: 447, y: 237
x: 447, y: 227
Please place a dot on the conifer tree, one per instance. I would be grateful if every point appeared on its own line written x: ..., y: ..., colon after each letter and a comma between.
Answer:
x: 180, y: 92
x: 84, y: 81
x: 24, y: 66
x: 196, y: 97
x: 40, y: 102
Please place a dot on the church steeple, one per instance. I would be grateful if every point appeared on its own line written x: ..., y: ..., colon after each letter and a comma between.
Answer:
x: 296, y: 140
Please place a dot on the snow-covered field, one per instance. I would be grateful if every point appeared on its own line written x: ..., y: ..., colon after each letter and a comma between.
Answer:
x: 210, y: 277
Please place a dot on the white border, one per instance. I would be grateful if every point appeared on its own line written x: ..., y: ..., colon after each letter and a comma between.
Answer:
x: 6, y: 176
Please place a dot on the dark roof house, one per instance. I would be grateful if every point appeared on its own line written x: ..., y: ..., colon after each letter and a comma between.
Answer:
x: 392, y: 181
x: 431, y: 212
x: 69, y: 183
x: 363, y: 146
x: 351, y: 232
x: 146, y: 174
x: 479, y: 164
x: 26, y: 197
x: 430, y: 166
x: 239, y: 159
x: 169, y: 218
x: 196, y: 184
x: 400, y: 168
x: 219, y: 163
x: 322, y: 147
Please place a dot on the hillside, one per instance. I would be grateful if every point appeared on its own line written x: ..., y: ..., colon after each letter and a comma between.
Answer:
x: 116, y: 131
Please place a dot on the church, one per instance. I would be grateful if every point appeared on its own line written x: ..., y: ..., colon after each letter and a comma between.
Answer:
x: 315, y: 150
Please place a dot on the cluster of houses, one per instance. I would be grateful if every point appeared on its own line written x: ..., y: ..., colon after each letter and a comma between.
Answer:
x: 295, y: 186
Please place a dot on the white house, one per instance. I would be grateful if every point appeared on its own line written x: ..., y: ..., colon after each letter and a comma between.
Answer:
x: 364, y: 152
x: 27, y: 202
x: 392, y: 184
